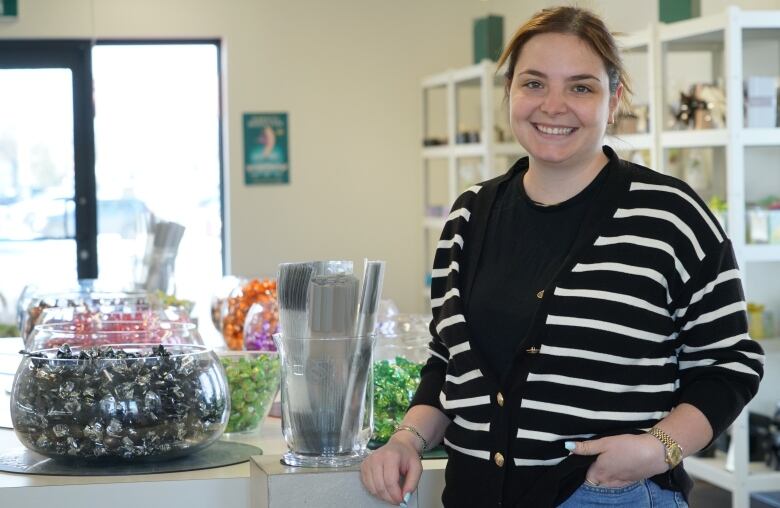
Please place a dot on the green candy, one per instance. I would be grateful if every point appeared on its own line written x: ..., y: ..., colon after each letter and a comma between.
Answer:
x: 394, y: 385
x: 253, y: 383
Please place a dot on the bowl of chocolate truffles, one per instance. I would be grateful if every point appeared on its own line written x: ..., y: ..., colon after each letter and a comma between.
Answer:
x: 120, y: 402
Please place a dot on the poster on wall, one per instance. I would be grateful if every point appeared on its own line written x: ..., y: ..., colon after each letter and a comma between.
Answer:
x: 266, y: 148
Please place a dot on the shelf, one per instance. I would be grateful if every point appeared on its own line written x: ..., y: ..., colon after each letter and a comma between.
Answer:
x: 434, y: 223
x: 706, y: 30
x: 636, y: 41
x: 700, y: 33
x: 761, y: 137
x: 472, y: 72
x: 436, y: 152
x: 470, y: 150
x: 511, y: 148
x: 462, y: 75
x: 459, y: 150
x: 713, y: 470
x: 759, y: 19
x: 630, y: 141
x: 694, y: 138
x: 762, y: 253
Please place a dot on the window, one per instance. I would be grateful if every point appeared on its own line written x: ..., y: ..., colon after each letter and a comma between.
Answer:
x: 77, y: 197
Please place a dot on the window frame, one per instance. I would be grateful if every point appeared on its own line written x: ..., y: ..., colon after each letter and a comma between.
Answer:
x: 76, y: 55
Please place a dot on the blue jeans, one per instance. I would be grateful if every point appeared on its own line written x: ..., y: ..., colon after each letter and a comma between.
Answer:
x: 642, y: 494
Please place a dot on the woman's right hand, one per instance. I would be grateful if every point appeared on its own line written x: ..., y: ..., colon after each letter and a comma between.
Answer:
x: 383, y: 470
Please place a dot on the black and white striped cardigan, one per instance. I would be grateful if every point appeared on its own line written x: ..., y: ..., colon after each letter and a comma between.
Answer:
x: 646, y: 312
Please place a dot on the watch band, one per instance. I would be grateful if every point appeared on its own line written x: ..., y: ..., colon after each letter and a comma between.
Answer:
x: 673, y: 448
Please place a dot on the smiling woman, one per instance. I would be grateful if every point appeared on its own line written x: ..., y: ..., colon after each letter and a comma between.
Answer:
x: 594, y: 309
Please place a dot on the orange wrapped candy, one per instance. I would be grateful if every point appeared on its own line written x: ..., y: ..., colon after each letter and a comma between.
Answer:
x: 238, y: 305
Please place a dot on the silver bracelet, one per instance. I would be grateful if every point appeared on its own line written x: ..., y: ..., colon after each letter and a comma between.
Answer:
x: 416, y: 433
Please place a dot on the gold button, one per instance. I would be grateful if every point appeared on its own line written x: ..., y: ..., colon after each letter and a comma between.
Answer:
x: 500, y: 399
x: 532, y: 350
x: 540, y: 294
x: 498, y: 459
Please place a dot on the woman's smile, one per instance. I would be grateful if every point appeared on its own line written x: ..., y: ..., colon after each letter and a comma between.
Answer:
x: 554, y: 130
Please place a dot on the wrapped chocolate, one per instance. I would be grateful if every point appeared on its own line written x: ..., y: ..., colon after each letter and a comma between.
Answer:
x: 98, y: 332
x: 125, y: 402
x: 93, y: 306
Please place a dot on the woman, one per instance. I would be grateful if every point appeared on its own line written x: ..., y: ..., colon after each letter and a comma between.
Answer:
x: 589, y: 325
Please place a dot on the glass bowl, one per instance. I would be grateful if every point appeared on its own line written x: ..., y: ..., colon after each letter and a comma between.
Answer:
x: 400, y: 353
x: 237, y: 305
x: 260, y: 325
x: 253, y: 378
x: 93, y: 332
x: 95, y: 305
x: 129, y: 402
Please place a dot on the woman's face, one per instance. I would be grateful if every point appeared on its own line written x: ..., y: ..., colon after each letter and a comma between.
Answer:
x: 559, y: 100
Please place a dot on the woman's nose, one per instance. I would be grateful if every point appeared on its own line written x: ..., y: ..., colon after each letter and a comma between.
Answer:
x: 553, y: 103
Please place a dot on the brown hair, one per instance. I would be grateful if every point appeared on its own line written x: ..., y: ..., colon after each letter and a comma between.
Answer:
x: 575, y: 21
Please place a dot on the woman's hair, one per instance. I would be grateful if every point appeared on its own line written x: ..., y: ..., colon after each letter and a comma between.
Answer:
x: 575, y: 21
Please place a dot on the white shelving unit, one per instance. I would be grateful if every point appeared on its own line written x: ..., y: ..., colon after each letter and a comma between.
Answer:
x: 724, y: 37
x: 470, y: 98
x: 640, y: 45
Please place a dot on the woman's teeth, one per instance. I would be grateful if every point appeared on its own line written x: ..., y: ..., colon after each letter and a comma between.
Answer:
x: 557, y: 131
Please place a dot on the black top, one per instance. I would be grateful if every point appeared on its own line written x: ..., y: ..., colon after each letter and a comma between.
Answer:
x: 524, y: 246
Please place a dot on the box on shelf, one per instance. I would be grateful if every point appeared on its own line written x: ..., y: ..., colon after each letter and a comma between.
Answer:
x: 488, y: 38
x: 761, y: 101
x: 670, y: 11
x: 757, y: 225
x: 774, y: 226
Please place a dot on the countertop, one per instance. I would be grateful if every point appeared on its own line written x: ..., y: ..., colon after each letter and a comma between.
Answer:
x: 225, y: 487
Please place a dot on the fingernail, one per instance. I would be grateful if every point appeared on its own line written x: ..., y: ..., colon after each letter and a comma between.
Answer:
x: 407, y: 497
x: 569, y: 445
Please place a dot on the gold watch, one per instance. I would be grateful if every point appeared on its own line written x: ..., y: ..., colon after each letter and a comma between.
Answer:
x: 674, y: 453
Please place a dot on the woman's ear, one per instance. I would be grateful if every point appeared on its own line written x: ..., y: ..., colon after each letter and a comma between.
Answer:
x: 614, y: 103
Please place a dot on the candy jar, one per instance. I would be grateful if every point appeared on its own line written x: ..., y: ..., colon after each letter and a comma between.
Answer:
x: 253, y: 379
x: 401, y: 351
x: 261, y: 323
x: 92, y: 333
x: 69, y: 305
x: 126, y: 403
x: 220, y: 295
x: 87, y: 305
x: 237, y: 307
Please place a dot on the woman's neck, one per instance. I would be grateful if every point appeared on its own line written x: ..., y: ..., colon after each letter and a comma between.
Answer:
x: 550, y: 185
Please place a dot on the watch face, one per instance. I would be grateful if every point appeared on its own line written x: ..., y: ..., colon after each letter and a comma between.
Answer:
x: 675, y: 455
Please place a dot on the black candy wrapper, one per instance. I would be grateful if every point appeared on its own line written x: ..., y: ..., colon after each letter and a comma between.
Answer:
x: 106, y: 404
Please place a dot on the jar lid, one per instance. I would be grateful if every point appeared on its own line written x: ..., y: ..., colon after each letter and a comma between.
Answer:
x: 406, y: 328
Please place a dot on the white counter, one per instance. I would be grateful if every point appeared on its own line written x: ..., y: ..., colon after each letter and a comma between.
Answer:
x: 223, y: 487
x: 226, y: 487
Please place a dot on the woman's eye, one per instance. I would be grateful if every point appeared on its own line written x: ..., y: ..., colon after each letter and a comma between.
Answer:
x: 532, y: 84
x: 581, y: 89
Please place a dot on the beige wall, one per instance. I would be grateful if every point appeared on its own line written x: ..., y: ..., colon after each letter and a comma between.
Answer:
x: 348, y: 73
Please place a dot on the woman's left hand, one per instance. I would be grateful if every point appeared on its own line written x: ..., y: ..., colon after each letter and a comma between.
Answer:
x: 623, y: 459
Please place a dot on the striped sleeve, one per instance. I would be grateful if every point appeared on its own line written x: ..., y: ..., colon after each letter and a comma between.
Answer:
x: 433, y: 373
x: 720, y: 366
x: 446, y: 269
